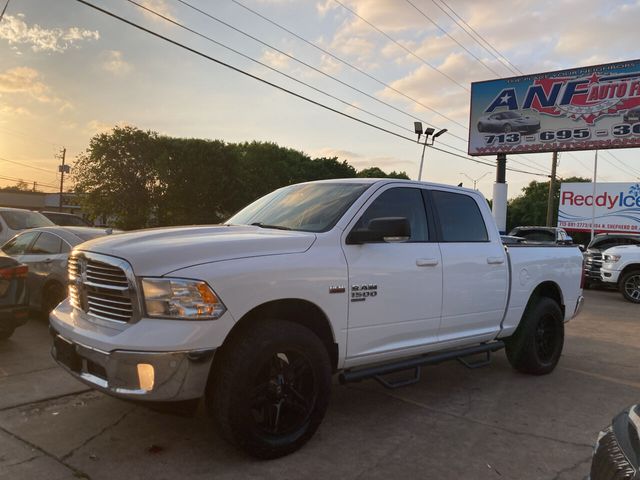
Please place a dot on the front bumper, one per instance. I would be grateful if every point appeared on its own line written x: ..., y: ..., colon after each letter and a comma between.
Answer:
x: 135, y: 375
x: 609, y: 275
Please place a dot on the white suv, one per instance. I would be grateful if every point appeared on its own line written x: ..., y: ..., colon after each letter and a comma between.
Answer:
x: 14, y: 220
x: 621, y: 265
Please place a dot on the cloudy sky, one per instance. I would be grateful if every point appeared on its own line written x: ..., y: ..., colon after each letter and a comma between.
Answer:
x: 68, y: 72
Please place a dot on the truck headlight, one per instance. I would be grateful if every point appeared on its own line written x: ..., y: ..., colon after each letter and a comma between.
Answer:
x: 611, y: 258
x: 181, y: 298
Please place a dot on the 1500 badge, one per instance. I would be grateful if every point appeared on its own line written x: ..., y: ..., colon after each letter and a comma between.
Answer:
x: 359, y: 293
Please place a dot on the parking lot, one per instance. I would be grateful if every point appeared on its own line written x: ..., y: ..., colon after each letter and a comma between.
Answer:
x: 456, y: 423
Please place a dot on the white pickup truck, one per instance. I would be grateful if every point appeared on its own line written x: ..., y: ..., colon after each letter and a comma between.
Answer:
x: 621, y: 266
x: 361, y: 278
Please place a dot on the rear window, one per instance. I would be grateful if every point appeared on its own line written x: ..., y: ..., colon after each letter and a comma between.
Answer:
x: 66, y: 220
x: 460, y: 217
x: 21, y: 220
x: 536, y: 235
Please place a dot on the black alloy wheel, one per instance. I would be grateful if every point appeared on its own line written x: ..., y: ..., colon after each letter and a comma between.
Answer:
x: 285, y: 393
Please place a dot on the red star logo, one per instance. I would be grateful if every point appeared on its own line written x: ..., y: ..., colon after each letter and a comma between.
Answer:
x: 594, y: 78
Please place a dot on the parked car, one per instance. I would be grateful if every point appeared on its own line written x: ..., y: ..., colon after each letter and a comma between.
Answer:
x: 505, y: 122
x: 595, y: 249
x: 355, y: 277
x: 543, y: 235
x: 616, y: 455
x: 621, y: 268
x: 45, y: 251
x: 632, y: 116
x: 67, y: 219
x: 14, y: 220
x: 13, y: 295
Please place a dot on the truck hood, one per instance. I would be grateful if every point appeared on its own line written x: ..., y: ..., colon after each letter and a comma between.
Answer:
x: 159, y: 251
x: 623, y: 250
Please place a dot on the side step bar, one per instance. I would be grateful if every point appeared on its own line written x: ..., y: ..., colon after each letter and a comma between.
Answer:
x: 415, y: 363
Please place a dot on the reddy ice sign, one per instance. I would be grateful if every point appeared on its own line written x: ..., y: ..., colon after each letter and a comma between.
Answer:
x: 617, y: 207
x: 580, y: 109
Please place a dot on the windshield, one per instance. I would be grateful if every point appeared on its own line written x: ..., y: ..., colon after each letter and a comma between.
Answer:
x: 66, y: 220
x: 511, y: 115
x: 535, y: 235
x: 311, y: 207
x: 23, y: 219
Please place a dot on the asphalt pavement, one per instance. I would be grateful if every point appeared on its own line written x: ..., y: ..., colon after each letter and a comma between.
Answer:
x: 489, y: 423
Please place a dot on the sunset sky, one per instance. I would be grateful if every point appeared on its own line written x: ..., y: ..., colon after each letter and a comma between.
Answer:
x: 68, y: 72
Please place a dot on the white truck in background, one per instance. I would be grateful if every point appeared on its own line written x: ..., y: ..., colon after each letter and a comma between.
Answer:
x: 621, y: 267
x: 359, y: 278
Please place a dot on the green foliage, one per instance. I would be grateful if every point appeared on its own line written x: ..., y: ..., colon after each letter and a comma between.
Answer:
x: 140, y: 179
x: 20, y: 186
x: 375, y: 172
x: 530, y: 208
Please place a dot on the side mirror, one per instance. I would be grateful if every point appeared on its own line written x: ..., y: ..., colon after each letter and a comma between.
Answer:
x: 383, y: 229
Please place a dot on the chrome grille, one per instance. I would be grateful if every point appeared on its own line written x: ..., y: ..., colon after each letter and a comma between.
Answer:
x: 101, y: 286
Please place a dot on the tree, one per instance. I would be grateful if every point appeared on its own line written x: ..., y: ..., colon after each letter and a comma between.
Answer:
x: 20, y: 186
x: 117, y: 176
x: 375, y: 172
x: 530, y: 208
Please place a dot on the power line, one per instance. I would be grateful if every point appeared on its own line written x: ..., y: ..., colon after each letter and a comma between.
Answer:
x: 500, y: 57
x: 4, y: 10
x: 354, y: 67
x: 25, y: 165
x: 266, y: 82
x: 273, y: 69
x: 409, y: 51
x: 421, y: 12
x: 632, y: 169
x: 28, y: 181
x: 276, y: 24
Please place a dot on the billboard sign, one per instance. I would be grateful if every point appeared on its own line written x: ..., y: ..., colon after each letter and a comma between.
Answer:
x: 617, y: 207
x: 579, y: 109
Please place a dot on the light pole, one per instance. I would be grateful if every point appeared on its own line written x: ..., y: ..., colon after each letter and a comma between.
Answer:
x: 475, y: 180
x: 428, y: 132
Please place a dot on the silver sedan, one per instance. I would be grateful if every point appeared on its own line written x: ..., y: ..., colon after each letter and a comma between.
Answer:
x: 46, y: 250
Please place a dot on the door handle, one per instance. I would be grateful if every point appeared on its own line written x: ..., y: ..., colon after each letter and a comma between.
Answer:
x: 495, y: 260
x: 427, y: 262
x: 47, y: 260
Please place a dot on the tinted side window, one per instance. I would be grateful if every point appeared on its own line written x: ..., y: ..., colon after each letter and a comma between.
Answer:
x: 460, y: 217
x: 46, y: 244
x: 18, y: 245
x: 400, y: 202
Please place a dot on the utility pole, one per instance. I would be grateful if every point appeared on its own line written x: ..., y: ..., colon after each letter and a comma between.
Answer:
x: 593, y: 202
x: 34, y: 185
x: 62, y: 169
x: 500, y: 193
x: 552, y: 187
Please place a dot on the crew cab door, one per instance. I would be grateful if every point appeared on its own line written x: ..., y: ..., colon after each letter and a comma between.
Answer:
x: 395, y: 289
x: 475, y: 269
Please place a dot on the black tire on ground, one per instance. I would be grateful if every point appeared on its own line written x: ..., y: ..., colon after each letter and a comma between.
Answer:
x: 270, y: 388
x: 630, y: 286
x: 53, y: 294
x: 536, y: 346
x: 587, y: 285
x: 6, y: 333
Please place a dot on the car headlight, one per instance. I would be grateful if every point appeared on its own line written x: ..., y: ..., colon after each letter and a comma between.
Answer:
x: 180, y: 298
x: 611, y: 258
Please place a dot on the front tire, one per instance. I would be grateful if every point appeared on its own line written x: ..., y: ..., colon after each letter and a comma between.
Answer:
x: 536, y: 346
x: 630, y: 286
x: 270, y: 388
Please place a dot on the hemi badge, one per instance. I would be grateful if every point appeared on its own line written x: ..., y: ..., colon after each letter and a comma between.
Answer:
x: 334, y: 289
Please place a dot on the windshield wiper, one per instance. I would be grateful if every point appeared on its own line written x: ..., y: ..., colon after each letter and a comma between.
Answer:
x: 264, y: 225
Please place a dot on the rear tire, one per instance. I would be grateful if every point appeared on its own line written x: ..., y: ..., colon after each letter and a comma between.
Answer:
x: 270, y: 388
x: 630, y: 286
x: 536, y: 346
